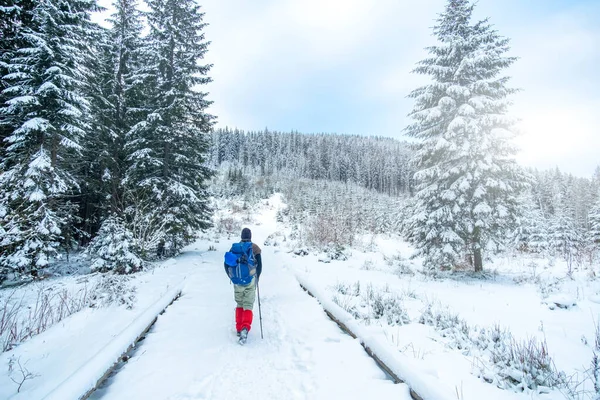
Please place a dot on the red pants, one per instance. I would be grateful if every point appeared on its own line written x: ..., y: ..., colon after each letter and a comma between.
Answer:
x: 243, y: 319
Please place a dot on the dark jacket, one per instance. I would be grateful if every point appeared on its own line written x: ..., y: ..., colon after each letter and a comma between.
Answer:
x: 257, y: 256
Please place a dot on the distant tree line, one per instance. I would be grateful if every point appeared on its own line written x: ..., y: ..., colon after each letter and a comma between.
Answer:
x: 556, y: 214
x: 378, y: 163
x: 560, y: 216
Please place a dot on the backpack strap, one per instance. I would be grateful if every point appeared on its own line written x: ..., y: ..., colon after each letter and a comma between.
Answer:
x: 248, y: 250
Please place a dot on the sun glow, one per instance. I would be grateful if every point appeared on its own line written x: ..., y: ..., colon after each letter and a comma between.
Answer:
x: 548, y: 138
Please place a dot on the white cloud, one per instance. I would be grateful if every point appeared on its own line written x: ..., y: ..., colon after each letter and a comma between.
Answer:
x: 289, y: 60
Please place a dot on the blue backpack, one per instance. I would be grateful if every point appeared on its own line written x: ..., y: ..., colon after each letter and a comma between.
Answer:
x: 240, y: 263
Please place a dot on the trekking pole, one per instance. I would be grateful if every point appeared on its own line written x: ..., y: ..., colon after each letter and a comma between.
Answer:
x: 259, y: 312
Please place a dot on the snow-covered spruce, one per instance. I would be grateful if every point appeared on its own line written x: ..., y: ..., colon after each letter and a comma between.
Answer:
x: 594, y: 232
x: 531, y: 233
x: 467, y: 179
x: 167, y: 147
x: 564, y: 238
x: 117, y: 103
x: 43, y: 116
x: 113, y: 249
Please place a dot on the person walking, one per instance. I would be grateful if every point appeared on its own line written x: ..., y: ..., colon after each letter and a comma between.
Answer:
x: 243, y: 265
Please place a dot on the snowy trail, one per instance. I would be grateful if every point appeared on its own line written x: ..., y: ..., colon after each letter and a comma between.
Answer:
x: 192, y: 351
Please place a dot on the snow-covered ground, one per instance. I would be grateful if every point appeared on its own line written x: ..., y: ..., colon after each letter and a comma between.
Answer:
x: 530, y: 298
x: 56, y: 356
x: 192, y: 351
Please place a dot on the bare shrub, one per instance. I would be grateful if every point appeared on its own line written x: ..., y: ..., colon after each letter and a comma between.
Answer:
x: 381, y: 304
x: 327, y: 230
x: 450, y: 326
x: 410, y: 293
x: 546, y: 287
x: 347, y: 303
x: 521, y: 365
x: 586, y: 386
x: 20, y: 321
x: 368, y: 265
x: 341, y: 287
x: 112, y: 289
x: 228, y: 225
x: 275, y: 239
x: 389, y: 307
x: 400, y: 266
x: 336, y: 252
x: 345, y: 297
x: 500, y: 359
x: 8, y: 316
x: 18, y: 372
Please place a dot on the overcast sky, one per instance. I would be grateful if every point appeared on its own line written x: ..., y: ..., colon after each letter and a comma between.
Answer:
x: 343, y: 66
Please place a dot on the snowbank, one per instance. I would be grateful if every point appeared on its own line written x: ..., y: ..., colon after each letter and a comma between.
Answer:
x: 85, y: 378
x: 560, y: 300
x: 419, y: 380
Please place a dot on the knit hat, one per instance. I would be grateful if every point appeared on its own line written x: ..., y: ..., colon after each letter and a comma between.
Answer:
x: 246, y: 234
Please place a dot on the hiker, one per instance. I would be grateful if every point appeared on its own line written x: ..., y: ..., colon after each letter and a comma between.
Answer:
x: 243, y: 265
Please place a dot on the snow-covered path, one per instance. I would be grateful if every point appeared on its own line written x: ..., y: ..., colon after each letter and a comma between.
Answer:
x: 192, y: 351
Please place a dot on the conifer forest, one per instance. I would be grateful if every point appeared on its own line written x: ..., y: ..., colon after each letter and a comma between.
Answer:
x: 107, y: 138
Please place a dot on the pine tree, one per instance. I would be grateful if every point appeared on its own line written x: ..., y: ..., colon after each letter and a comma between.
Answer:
x: 531, y: 234
x: 565, y: 239
x: 16, y: 17
x: 594, y: 232
x: 466, y: 176
x: 168, y: 148
x: 113, y: 249
x: 46, y: 115
x: 116, y: 107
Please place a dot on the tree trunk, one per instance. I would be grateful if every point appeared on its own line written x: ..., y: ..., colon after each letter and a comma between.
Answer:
x: 476, y: 246
x: 478, y: 260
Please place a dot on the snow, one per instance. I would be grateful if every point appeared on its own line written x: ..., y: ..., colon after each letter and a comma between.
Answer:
x: 86, y: 376
x: 192, y: 350
x: 36, y: 195
x: 85, y: 344
x: 20, y: 99
x: 47, y: 87
x: 421, y: 381
x: 560, y: 300
x: 33, y: 124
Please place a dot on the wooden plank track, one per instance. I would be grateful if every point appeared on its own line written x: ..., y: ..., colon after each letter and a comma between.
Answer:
x: 369, y: 351
x: 131, y: 347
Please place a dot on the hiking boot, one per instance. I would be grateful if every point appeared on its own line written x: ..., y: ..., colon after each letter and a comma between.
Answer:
x: 243, y: 336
